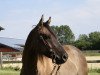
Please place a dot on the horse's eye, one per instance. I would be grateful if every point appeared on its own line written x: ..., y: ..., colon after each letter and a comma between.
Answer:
x: 46, y: 36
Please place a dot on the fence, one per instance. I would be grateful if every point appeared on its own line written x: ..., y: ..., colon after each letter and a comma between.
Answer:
x: 15, y: 57
x: 1, y: 62
x: 10, y: 57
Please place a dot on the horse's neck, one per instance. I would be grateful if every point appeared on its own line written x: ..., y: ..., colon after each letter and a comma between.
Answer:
x: 44, y: 65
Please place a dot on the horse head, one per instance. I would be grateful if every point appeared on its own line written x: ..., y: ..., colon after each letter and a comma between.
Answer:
x: 48, y: 43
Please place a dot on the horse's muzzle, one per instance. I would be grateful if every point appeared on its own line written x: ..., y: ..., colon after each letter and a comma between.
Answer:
x: 60, y: 60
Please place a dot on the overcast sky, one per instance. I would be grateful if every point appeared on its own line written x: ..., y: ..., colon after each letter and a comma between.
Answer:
x: 18, y: 16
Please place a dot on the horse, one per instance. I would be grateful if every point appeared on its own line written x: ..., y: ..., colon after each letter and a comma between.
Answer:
x: 44, y: 55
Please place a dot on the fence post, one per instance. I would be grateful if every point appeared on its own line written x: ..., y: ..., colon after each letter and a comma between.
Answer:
x: 1, y: 62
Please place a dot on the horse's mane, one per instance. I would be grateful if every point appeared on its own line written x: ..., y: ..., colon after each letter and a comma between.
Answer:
x: 30, y: 52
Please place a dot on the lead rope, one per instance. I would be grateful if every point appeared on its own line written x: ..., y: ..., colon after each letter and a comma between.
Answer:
x: 54, y: 68
x: 58, y: 69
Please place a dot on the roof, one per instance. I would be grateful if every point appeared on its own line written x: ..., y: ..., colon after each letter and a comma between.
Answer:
x: 11, y: 42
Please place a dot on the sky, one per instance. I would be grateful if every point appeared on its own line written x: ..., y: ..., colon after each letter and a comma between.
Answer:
x: 19, y: 16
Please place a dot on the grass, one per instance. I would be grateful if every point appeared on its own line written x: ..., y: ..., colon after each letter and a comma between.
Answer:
x: 94, y: 74
x: 94, y: 70
x: 9, y: 72
x: 12, y: 72
x: 16, y: 71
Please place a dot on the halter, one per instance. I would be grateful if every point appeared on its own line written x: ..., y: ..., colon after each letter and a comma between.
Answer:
x: 56, y: 67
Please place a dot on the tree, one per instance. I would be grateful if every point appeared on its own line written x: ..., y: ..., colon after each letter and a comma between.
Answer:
x: 83, y: 37
x: 83, y: 42
x: 64, y: 34
x: 95, y: 39
x: 92, y: 41
x: 94, y: 36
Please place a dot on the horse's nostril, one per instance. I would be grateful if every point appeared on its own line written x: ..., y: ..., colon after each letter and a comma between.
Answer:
x: 57, y: 57
x: 64, y: 57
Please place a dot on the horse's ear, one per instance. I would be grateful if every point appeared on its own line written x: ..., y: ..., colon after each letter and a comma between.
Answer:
x: 48, y: 21
x: 41, y: 21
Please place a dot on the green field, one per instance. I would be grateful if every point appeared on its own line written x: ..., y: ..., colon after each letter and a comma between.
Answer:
x: 11, y: 72
x: 94, y: 74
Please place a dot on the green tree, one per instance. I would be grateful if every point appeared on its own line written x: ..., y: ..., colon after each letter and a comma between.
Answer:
x: 94, y: 36
x: 95, y: 39
x: 64, y: 34
x: 91, y: 41
x: 83, y: 42
x: 83, y: 37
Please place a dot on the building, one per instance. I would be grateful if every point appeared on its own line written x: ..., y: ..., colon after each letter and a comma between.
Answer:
x: 11, y: 44
x: 10, y: 47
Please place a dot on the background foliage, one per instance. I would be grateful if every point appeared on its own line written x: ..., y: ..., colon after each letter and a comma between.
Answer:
x: 84, y: 41
x: 64, y: 34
